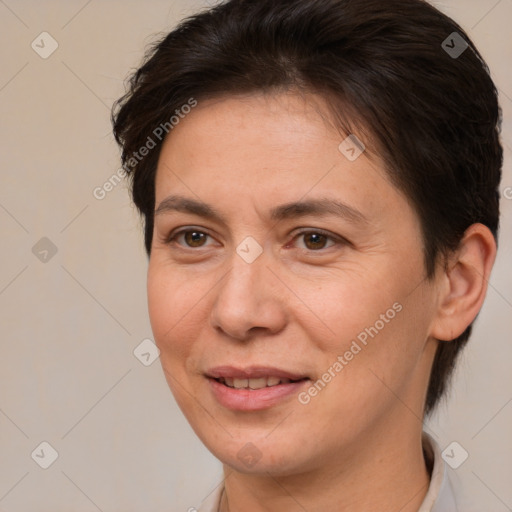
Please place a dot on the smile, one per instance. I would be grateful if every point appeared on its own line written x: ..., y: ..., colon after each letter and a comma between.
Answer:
x: 262, y: 382
x: 254, y: 388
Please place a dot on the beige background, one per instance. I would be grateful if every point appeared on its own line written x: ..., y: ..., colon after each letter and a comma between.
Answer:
x: 69, y: 326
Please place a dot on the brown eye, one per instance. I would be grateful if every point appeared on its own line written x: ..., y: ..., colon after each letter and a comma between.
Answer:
x: 190, y: 238
x: 314, y: 241
x: 194, y: 238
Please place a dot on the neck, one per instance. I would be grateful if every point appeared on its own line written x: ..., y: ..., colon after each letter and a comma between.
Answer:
x: 386, y: 470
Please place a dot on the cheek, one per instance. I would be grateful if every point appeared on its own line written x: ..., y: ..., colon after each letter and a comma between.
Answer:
x: 376, y: 322
x: 174, y: 304
x: 176, y: 317
x: 391, y: 351
x: 348, y: 306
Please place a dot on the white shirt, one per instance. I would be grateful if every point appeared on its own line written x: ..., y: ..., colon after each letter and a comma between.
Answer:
x: 439, y: 498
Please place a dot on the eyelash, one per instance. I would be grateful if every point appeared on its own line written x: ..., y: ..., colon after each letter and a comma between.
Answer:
x: 330, y: 237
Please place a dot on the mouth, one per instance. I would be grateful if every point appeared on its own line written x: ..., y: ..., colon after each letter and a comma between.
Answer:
x: 253, y: 388
x: 255, y: 383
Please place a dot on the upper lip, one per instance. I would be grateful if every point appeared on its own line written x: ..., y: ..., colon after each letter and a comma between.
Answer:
x: 252, y: 372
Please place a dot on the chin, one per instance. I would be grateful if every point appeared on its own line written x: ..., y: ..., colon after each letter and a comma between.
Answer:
x: 257, y: 457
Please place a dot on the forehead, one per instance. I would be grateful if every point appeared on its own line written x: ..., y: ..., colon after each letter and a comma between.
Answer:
x: 276, y: 149
x: 286, y: 124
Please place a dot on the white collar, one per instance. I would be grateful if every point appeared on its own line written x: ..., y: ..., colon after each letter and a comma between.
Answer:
x: 439, y: 498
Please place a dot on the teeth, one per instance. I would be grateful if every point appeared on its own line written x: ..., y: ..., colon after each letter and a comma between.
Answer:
x: 258, y: 383
x: 240, y: 383
x: 273, y: 381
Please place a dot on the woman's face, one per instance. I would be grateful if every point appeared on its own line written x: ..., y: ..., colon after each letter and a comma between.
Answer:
x: 286, y: 284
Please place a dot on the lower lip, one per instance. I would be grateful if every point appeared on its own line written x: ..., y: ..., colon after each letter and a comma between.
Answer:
x: 254, y: 399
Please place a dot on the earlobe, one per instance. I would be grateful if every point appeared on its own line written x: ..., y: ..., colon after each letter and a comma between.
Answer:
x: 465, y: 281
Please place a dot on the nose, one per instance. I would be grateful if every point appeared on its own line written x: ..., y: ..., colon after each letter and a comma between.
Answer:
x: 250, y: 300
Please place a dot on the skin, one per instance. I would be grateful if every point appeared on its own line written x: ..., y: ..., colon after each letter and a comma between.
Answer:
x: 356, y: 446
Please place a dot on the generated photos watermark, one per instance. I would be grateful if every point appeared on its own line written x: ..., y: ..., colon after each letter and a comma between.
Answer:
x: 355, y: 348
x: 158, y: 134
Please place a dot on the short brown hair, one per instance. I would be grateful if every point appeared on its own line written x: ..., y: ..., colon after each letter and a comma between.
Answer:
x: 416, y: 81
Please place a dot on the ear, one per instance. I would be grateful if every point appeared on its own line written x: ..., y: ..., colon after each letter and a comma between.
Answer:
x: 463, y: 283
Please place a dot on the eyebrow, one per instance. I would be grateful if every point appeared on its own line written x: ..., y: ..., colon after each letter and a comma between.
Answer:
x: 321, y: 207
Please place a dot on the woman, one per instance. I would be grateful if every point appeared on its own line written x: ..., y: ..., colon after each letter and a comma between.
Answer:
x: 319, y: 185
